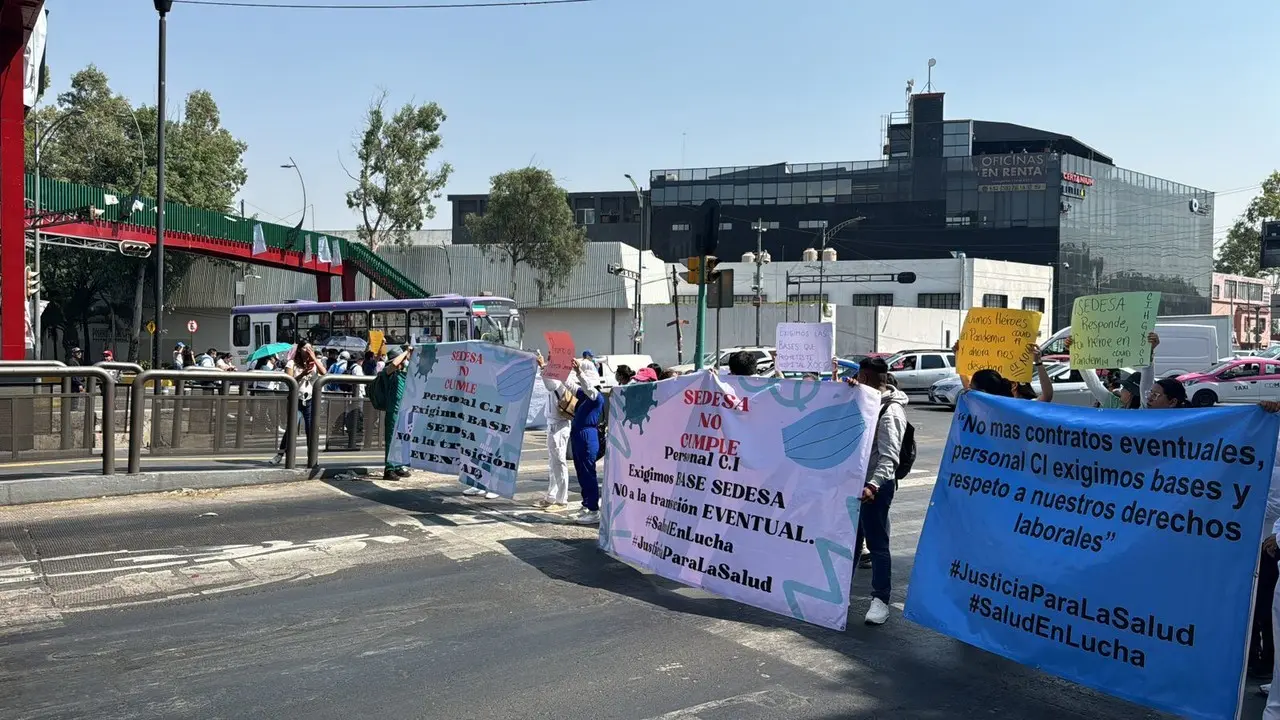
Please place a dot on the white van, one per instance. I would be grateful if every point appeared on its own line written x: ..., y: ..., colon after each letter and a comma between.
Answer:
x: 1183, y: 348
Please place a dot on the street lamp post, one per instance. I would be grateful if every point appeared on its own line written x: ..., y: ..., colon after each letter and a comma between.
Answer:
x: 35, y: 296
x: 291, y: 165
x: 644, y: 241
x: 162, y: 8
x: 822, y: 257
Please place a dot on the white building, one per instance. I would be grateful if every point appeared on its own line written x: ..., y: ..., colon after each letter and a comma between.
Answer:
x: 872, y: 311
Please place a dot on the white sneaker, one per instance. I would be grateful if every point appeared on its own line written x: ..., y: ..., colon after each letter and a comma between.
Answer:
x: 279, y: 458
x: 490, y: 495
x: 472, y: 491
x: 590, y: 517
x: 878, y: 613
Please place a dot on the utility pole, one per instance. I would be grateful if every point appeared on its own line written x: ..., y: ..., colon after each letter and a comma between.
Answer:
x: 162, y: 8
x: 638, y: 337
x: 675, y: 303
x: 822, y: 266
x: 760, y: 261
x: 708, y: 235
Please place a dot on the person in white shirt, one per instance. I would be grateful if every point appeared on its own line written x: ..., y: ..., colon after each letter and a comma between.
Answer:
x: 559, y: 418
x: 304, y: 367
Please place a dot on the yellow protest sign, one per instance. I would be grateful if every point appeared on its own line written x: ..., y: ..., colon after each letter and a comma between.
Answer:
x: 996, y: 339
x: 377, y: 341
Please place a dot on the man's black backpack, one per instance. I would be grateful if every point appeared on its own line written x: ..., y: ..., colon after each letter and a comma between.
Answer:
x: 906, y: 455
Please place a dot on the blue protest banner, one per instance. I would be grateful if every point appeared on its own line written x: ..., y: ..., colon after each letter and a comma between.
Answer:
x: 1113, y: 548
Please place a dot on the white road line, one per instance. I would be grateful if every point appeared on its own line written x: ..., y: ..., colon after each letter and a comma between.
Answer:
x: 778, y: 702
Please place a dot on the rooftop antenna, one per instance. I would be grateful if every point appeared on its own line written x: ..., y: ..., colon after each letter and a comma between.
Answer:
x: 928, y: 85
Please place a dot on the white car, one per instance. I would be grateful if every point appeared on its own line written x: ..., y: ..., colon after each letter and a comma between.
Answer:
x: 1068, y: 387
x: 764, y: 359
x: 917, y: 370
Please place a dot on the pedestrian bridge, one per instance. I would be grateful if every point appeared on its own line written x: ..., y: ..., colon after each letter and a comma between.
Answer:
x: 86, y: 216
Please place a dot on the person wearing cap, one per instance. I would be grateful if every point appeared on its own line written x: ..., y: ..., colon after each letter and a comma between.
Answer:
x: 77, y: 383
x: 397, y: 358
x: 1134, y: 390
x: 178, y: 356
x: 108, y: 356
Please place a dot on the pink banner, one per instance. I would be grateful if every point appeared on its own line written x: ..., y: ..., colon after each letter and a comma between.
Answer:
x: 560, y: 354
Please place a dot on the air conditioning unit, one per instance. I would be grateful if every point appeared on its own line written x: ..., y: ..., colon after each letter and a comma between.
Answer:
x: 829, y: 254
x: 809, y: 255
x: 749, y: 257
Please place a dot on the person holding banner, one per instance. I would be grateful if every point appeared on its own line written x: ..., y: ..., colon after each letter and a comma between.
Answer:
x: 881, y: 483
x: 584, y: 439
x: 1133, y: 389
x: 559, y: 418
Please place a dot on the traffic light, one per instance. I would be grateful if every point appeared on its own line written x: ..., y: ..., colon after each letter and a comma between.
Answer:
x: 693, y: 277
x: 707, y: 228
x: 33, y: 282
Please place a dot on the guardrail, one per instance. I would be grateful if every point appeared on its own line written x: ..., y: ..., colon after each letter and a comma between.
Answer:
x: 219, y: 407
x: 35, y: 369
x: 357, y: 420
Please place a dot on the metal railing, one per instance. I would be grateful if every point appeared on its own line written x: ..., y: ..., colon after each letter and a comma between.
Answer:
x: 356, y: 422
x: 216, y: 411
x: 36, y: 369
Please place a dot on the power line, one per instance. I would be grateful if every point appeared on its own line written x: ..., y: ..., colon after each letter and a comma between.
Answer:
x: 380, y: 6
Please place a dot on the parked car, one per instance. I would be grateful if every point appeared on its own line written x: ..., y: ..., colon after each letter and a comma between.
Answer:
x: 917, y: 370
x: 1246, y: 380
x: 764, y: 359
x: 1068, y: 387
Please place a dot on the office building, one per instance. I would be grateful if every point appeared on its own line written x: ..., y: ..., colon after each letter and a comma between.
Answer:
x: 990, y: 190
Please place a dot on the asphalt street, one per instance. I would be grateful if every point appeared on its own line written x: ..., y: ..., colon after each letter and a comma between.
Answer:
x: 353, y: 599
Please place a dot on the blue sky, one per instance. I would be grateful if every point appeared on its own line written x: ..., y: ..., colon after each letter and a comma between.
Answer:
x: 595, y: 90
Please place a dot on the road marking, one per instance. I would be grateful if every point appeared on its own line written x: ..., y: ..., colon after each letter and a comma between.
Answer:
x: 787, y: 646
x: 778, y: 702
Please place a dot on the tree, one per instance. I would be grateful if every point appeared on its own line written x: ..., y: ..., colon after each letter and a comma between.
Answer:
x: 108, y: 142
x: 1241, y: 252
x: 528, y: 221
x: 395, y: 187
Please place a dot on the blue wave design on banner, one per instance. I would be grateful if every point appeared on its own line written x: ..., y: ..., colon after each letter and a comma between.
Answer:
x: 517, y: 379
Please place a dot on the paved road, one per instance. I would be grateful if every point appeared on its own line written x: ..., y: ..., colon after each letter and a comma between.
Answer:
x: 354, y: 599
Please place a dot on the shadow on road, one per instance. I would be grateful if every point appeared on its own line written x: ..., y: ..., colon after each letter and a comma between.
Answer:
x: 897, y: 670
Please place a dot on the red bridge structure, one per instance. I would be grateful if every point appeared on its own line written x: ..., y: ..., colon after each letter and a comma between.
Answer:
x: 72, y: 214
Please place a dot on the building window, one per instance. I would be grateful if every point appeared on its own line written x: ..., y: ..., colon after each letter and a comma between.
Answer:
x: 585, y: 216
x: 812, y: 224
x: 995, y: 301
x: 938, y: 301
x: 1217, y: 291
x: 958, y: 220
x: 769, y: 225
x: 680, y: 227
x: 873, y: 300
x: 1033, y: 303
x: 726, y: 226
x: 807, y: 297
x: 610, y: 210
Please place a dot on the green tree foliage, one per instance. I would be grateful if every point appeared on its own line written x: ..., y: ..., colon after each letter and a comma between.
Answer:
x: 1241, y: 252
x: 528, y: 221
x: 108, y: 142
x: 395, y: 186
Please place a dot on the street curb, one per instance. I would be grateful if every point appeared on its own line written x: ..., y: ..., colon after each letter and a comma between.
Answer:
x: 84, y: 487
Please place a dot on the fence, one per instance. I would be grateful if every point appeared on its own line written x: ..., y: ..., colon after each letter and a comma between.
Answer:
x: 177, y: 412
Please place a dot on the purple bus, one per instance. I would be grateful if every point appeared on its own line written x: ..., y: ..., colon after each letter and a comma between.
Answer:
x: 346, y: 325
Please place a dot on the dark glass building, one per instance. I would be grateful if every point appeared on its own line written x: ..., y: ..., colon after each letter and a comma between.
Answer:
x: 987, y: 189
x: 611, y: 216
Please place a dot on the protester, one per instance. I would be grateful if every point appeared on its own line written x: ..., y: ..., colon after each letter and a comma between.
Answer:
x: 1132, y: 391
x: 646, y: 374
x: 881, y: 482
x: 990, y: 382
x: 624, y: 374
x: 742, y: 363
x: 560, y: 412
x: 179, y: 356
x: 669, y: 373
x: 1168, y: 393
x: 1025, y: 391
x: 584, y: 439
x: 395, y: 372
x: 305, y: 368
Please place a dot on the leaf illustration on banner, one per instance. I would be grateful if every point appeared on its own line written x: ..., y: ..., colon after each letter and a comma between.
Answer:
x: 617, y: 440
x: 637, y: 402
x: 516, y: 379
x: 825, y: 438
x: 426, y: 359
x: 834, y: 592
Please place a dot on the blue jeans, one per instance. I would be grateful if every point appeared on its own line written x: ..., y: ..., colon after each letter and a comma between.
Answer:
x: 873, y: 526
x: 586, y: 446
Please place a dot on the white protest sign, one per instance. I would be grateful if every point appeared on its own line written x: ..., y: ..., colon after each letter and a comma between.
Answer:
x: 746, y: 487
x: 805, y: 347
x: 464, y: 411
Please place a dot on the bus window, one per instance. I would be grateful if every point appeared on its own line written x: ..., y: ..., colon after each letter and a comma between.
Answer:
x: 488, y: 329
x: 455, y: 335
x: 240, y: 331
x: 351, y: 324
x: 313, y: 327
x: 426, y: 326
x: 393, y: 324
x: 286, y: 329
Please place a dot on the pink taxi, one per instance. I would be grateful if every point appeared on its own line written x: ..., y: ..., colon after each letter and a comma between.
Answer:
x: 1243, y: 380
